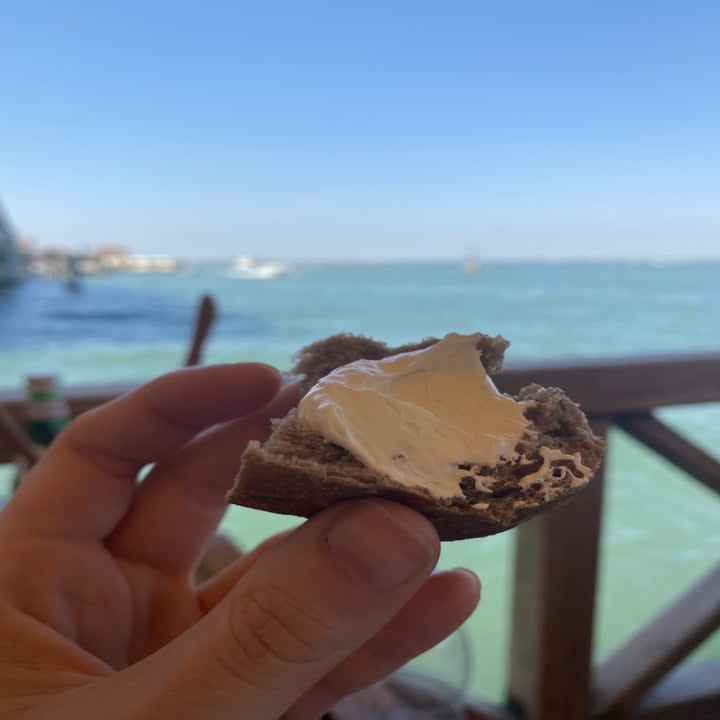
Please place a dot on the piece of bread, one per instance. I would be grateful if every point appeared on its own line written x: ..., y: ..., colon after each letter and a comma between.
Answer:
x: 298, y: 472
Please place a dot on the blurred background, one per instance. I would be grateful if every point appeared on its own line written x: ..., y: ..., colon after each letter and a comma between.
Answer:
x: 547, y: 171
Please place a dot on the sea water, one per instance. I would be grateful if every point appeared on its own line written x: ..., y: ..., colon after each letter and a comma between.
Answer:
x: 661, y: 529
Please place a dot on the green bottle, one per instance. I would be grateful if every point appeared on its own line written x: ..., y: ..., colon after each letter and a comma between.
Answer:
x: 46, y: 414
x: 46, y: 409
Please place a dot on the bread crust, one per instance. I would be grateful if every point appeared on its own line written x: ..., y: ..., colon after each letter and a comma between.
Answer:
x: 297, y: 472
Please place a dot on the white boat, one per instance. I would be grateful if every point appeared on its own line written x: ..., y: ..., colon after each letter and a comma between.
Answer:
x: 12, y: 267
x: 250, y: 269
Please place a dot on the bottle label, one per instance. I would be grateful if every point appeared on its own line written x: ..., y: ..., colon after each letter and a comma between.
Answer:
x: 44, y: 395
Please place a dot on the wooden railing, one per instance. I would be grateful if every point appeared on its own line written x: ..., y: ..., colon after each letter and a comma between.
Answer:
x: 551, y: 676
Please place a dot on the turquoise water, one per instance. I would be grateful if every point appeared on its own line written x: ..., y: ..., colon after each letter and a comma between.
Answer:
x: 661, y: 529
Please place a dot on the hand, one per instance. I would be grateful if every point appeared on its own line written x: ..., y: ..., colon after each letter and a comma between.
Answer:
x: 98, y: 614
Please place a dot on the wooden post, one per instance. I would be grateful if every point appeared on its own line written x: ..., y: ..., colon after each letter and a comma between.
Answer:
x: 206, y: 316
x: 553, y: 607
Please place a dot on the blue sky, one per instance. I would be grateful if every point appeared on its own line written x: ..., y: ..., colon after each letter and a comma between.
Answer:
x: 364, y: 129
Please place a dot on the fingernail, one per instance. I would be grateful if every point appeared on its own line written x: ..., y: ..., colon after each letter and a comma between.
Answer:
x: 384, y: 545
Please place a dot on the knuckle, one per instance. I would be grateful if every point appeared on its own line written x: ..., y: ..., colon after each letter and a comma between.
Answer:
x: 270, y: 627
x: 235, y: 666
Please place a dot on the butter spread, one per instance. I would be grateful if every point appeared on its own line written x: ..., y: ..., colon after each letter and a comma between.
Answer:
x: 416, y: 416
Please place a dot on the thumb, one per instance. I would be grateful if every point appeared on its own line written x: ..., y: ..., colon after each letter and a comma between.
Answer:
x: 307, y: 604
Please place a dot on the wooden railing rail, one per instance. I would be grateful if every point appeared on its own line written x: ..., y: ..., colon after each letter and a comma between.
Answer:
x: 612, y: 386
x: 668, y: 443
x: 602, y: 387
x: 556, y: 558
x: 650, y: 655
x: 690, y: 692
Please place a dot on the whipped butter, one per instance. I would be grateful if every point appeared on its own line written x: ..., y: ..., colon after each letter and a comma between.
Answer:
x: 416, y: 416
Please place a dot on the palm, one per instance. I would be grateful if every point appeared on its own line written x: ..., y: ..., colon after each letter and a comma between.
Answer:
x: 115, y: 610
x: 142, y: 609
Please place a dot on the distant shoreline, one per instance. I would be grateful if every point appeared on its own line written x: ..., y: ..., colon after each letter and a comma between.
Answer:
x: 455, y: 261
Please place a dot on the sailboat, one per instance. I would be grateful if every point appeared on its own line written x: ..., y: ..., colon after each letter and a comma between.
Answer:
x: 470, y: 265
x: 11, y: 264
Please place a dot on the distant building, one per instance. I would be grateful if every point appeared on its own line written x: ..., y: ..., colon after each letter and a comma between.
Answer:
x: 12, y: 267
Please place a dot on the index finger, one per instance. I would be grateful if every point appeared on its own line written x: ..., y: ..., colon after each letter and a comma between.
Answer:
x: 83, y: 485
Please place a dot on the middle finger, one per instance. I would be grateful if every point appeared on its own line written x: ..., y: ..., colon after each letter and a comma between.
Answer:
x: 177, y: 508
